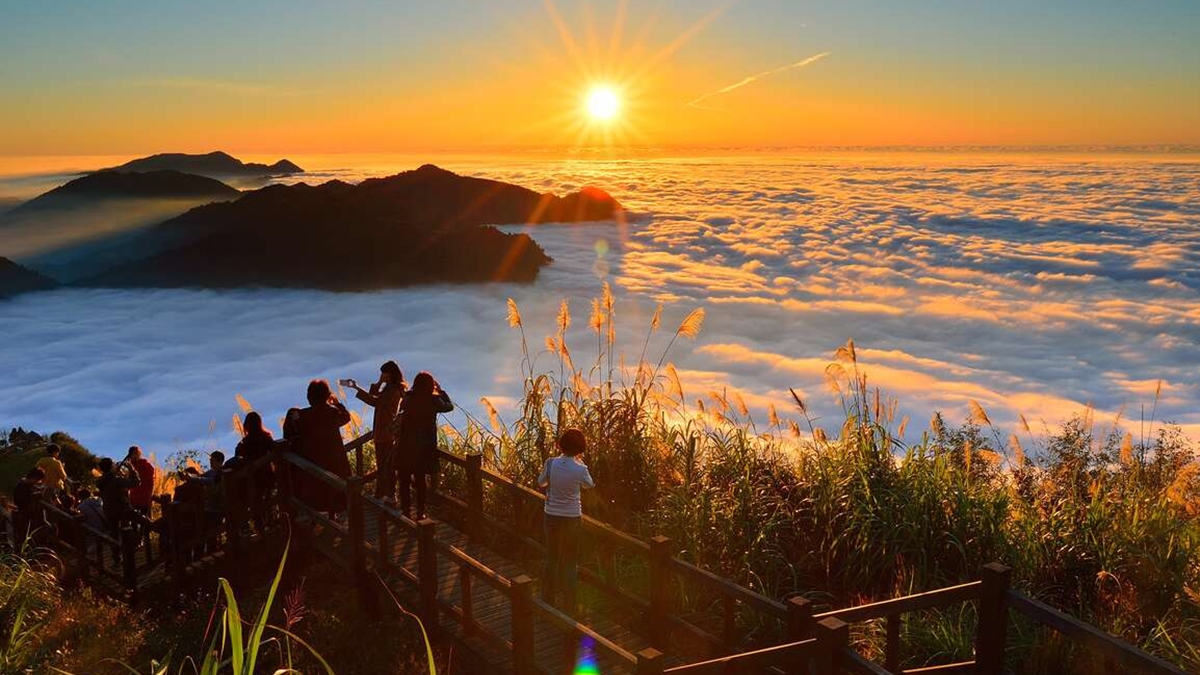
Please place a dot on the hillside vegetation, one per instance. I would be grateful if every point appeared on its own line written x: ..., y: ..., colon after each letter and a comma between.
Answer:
x: 1093, y: 520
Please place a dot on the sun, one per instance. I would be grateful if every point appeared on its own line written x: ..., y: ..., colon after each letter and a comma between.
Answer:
x: 603, y: 104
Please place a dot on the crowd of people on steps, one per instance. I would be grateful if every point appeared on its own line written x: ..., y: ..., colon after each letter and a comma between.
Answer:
x: 405, y: 435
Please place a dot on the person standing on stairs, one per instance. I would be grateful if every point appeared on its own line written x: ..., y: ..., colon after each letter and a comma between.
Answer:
x: 318, y: 431
x: 384, y: 396
x: 564, y: 477
x: 417, y: 441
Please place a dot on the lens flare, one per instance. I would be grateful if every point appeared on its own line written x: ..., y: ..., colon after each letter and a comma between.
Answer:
x: 586, y: 663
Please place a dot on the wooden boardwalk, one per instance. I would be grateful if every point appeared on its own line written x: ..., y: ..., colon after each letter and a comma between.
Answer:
x: 471, y: 571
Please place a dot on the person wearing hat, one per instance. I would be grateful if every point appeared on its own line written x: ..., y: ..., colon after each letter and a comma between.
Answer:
x: 384, y: 396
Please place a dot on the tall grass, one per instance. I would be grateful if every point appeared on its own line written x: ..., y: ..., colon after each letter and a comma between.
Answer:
x: 1093, y: 521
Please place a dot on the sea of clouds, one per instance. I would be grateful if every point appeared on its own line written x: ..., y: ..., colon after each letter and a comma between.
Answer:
x: 1033, y: 285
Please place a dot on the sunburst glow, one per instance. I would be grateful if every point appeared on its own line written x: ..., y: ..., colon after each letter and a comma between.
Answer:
x: 603, y: 103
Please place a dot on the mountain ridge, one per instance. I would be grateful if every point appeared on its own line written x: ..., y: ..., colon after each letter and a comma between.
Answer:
x: 212, y: 164
x: 421, y: 226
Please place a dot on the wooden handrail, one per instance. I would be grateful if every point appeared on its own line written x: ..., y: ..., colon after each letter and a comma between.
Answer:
x: 906, y: 603
x: 327, y: 477
x: 728, y: 588
x: 747, y: 661
x: 65, y: 517
x: 859, y: 664
x: 558, y: 617
x: 1090, y: 636
x: 460, y: 557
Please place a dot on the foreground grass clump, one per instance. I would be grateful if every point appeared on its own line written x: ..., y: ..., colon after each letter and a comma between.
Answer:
x: 1095, y: 522
x: 283, y: 626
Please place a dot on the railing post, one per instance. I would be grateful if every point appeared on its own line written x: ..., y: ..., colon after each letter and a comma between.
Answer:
x: 174, y: 537
x: 383, y: 539
x: 832, y: 636
x: 356, y: 525
x: 81, y: 546
x: 283, y: 479
x: 475, y: 495
x: 799, y: 627
x: 649, y: 662
x: 660, y: 590
x: 129, y: 541
x: 522, y: 626
x: 233, y: 510
x: 427, y: 574
x: 993, y: 619
x: 891, y: 653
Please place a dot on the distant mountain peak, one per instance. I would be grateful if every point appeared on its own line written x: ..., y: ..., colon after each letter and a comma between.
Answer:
x: 215, y: 164
x: 110, y: 184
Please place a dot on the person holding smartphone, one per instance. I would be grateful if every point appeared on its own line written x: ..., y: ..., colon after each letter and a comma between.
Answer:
x: 384, y: 396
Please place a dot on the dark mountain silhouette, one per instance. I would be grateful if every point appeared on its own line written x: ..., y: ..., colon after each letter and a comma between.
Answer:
x: 15, y: 279
x: 95, y: 222
x: 422, y: 226
x: 119, y: 185
x: 434, y: 195
x: 214, y: 164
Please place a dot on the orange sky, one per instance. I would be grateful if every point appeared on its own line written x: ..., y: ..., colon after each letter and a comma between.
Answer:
x: 483, y: 74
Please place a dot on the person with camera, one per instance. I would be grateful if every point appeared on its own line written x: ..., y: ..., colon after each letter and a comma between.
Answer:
x: 116, y: 479
x: 563, y: 477
x: 417, y: 440
x: 384, y: 396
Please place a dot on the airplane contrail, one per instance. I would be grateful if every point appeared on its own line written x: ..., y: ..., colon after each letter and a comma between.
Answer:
x: 745, y: 81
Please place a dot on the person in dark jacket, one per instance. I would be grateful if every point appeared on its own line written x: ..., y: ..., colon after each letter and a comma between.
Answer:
x: 417, y: 443
x: 27, y: 497
x: 256, y: 444
x: 214, y: 497
x: 319, y: 437
x: 384, y: 396
x: 113, y: 485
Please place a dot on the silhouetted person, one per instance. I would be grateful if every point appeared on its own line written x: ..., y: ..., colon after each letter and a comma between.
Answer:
x: 417, y: 442
x: 141, y: 496
x: 27, y: 497
x: 256, y: 444
x: 188, y: 529
x: 56, y: 474
x: 214, y: 495
x: 91, y: 508
x: 115, y: 481
x: 384, y: 396
x: 30, y: 488
x: 318, y: 429
x: 563, y: 477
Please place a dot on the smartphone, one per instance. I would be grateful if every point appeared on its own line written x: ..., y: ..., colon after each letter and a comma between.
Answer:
x: 346, y: 383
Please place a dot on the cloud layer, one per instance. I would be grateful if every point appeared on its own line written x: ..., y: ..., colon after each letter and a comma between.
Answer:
x: 1033, y: 285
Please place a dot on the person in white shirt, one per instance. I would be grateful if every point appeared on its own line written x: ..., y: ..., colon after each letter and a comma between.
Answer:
x: 563, y: 477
